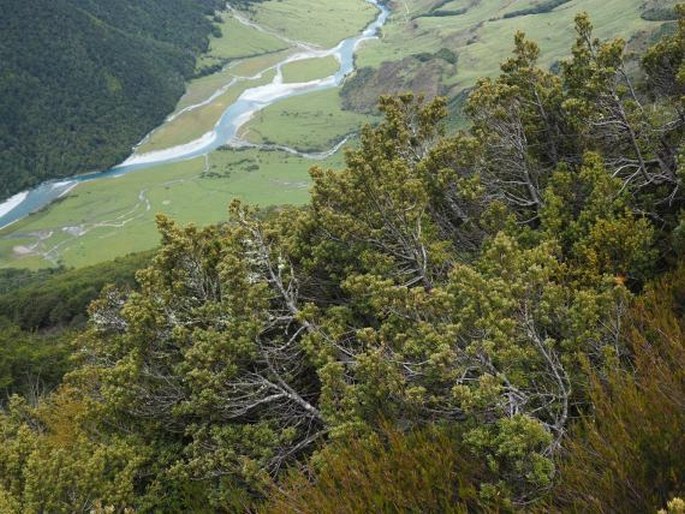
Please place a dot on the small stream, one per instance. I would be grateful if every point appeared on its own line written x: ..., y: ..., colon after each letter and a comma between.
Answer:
x: 225, y: 132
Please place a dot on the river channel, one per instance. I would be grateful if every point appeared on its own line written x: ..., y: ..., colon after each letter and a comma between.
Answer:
x: 224, y: 133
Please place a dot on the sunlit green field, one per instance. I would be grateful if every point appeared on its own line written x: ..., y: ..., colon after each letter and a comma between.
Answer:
x: 482, y: 38
x: 115, y: 216
x: 239, y: 41
x: 324, y: 22
x: 312, y: 122
x: 310, y: 69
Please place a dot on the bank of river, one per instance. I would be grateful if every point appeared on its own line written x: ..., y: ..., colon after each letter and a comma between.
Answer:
x: 224, y: 133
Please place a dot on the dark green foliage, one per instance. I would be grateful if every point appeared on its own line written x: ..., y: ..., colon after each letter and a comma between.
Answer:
x: 659, y: 10
x: 447, y: 55
x: 51, y: 299
x: 16, y: 278
x: 662, y: 14
x: 38, y: 311
x: 208, y: 70
x: 438, y: 11
x: 30, y: 364
x: 81, y: 81
x: 445, y: 12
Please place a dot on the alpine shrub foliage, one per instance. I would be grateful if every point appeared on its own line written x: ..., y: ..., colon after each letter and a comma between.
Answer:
x: 473, y: 297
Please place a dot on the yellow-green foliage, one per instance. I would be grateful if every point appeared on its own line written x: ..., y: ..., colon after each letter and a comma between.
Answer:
x: 674, y: 506
x: 53, y: 459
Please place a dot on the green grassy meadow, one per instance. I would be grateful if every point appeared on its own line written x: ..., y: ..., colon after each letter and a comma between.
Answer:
x: 237, y: 42
x: 324, y: 23
x: 115, y: 216
x: 310, y: 123
x: 310, y: 69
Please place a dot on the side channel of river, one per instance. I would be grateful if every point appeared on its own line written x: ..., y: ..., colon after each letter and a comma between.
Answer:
x: 225, y: 131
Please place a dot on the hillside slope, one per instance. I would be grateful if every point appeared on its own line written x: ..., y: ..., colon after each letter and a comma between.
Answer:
x: 81, y: 81
x: 456, y: 42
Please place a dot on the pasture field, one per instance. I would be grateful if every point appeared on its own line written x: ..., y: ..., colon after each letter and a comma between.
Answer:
x: 310, y: 69
x: 323, y: 23
x: 115, y: 216
x: 239, y: 41
x: 310, y: 123
x: 482, y: 38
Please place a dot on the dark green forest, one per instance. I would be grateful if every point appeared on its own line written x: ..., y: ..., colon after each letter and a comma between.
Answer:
x: 486, y: 321
x: 40, y: 313
x: 82, y: 81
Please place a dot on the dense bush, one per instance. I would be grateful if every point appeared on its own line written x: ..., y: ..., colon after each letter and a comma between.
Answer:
x: 659, y: 14
x: 31, y: 365
x: 52, y: 299
x: 541, y: 8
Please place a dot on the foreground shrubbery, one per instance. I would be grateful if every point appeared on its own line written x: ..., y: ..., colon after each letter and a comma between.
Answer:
x: 424, y: 471
x: 627, y: 454
x: 454, y: 323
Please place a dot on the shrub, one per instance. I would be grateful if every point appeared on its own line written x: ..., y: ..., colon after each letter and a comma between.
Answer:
x: 628, y: 455
x: 424, y: 471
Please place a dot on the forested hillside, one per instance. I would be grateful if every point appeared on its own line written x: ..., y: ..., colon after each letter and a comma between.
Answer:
x: 81, y: 81
x: 40, y: 314
x: 490, y: 321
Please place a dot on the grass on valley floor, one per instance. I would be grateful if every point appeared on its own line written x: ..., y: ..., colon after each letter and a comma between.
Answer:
x: 193, y: 124
x: 324, y: 23
x: 310, y: 69
x: 313, y: 122
x: 238, y: 41
x: 101, y: 220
